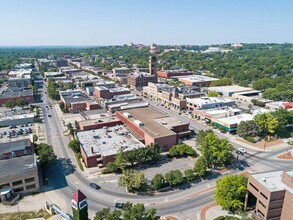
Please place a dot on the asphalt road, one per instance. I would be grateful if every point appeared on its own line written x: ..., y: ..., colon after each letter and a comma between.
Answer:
x: 67, y: 179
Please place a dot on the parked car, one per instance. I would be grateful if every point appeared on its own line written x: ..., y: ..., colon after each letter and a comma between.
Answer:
x: 49, y: 115
x: 95, y: 186
x: 241, y: 150
x: 119, y: 205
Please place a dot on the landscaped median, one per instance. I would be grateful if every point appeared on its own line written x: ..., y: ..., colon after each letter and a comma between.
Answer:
x: 25, y: 215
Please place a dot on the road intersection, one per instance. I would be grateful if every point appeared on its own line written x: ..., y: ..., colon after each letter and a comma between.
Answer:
x: 66, y: 179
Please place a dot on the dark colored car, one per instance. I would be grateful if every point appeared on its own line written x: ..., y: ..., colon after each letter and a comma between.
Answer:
x: 49, y: 115
x: 119, y: 205
x: 95, y: 186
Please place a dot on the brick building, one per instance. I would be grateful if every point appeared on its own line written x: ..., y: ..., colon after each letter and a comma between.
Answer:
x: 103, y: 120
x: 102, y: 92
x: 271, y: 194
x: 170, y: 96
x: 16, y: 94
x: 139, y: 80
x: 170, y: 73
x: 77, y: 101
x: 99, y: 146
x: 18, y: 166
x: 151, y: 126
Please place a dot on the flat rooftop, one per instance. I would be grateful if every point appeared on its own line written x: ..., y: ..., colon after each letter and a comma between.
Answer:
x: 140, y: 74
x: 15, y: 117
x: 207, y: 100
x: 99, y: 118
x: 147, y: 116
x: 273, y: 180
x: 220, y: 110
x: 169, y: 122
x: 232, y: 88
x: 16, y: 93
x: 72, y: 96
x: 17, y: 166
x: 107, y: 141
x: 236, y: 119
x: 196, y: 78
x: 14, y: 145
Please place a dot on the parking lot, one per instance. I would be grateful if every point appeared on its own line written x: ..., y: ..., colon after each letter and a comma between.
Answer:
x: 15, y: 132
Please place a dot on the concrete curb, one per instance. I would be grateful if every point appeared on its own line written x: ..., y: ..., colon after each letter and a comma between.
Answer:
x: 204, y: 210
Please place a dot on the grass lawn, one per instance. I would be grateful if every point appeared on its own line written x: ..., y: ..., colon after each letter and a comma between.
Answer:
x: 79, y: 162
x: 25, y: 215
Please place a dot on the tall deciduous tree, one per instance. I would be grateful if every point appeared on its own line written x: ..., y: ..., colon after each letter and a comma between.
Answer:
x: 230, y: 192
x: 132, y: 180
x: 158, y: 181
x: 74, y: 145
x: 267, y: 123
x: 46, y: 155
x: 201, y: 166
x: 247, y: 128
x: 174, y: 177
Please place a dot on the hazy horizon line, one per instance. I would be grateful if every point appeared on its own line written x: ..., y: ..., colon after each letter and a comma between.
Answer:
x: 111, y: 45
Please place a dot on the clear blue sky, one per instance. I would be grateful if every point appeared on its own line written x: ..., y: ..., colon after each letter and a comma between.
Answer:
x: 108, y: 22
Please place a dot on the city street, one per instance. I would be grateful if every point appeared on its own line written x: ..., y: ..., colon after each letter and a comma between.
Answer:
x: 66, y: 178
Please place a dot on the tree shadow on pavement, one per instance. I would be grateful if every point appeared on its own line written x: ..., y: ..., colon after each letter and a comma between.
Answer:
x: 57, y: 174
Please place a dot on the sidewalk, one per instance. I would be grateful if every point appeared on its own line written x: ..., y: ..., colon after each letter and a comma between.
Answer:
x: 212, y: 211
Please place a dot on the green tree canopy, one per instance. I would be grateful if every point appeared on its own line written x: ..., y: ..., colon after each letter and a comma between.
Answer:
x: 218, y: 152
x: 213, y: 94
x: 201, y: 166
x: 189, y: 175
x: 10, y: 104
x: 174, y: 177
x: 247, y: 129
x: 132, y: 180
x: 106, y: 214
x: 46, y: 155
x: 158, y: 181
x: 74, y: 145
x: 181, y: 150
x: 230, y: 192
x: 267, y: 123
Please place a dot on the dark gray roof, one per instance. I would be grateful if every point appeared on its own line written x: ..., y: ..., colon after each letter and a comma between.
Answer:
x: 17, y: 166
x: 16, y: 93
x: 14, y: 145
x: 71, y: 98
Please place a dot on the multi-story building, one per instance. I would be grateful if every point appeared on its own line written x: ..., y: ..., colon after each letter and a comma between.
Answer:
x: 120, y: 72
x: 102, y: 92
x: 196, y: 80
x: 19, y: 82
x: 20, y: 78
x: 141, y: 79
x: 61, y: 63
x: 208, y: 103
x: 77, y: 101
x: 18, y: 167
x: 151, y: 126
x: 170, y: 96
x: 271, y: 194
x: 98, y: 147
x: 16, y: 94
x: 118, y: 99
x: 170, y: 73
x: 153, y: 64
